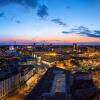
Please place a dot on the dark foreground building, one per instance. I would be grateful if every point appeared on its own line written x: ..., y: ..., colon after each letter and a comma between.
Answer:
x: 59, y: 84
x: 54, y: 85
x: 84, y: 88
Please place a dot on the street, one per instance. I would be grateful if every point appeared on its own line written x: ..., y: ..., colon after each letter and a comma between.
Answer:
x: 20, y: 93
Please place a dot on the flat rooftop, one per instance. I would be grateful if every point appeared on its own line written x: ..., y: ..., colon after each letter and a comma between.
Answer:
x: 52, y: 86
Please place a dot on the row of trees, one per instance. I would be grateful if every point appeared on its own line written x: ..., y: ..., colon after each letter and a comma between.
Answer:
x: 79, y: 66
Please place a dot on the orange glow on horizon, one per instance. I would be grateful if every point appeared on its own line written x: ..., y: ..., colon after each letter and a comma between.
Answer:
x: 63, y: 39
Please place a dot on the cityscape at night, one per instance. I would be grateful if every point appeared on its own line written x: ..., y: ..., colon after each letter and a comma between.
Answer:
x: 49, y: 50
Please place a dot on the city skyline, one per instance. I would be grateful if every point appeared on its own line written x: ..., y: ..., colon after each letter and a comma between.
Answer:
x: 50, y: 21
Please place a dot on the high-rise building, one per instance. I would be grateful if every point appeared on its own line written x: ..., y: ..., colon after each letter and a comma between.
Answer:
x: 74, y: 47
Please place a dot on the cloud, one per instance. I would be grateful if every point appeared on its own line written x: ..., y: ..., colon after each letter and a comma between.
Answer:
x: 18, y: 21
x: 65, y: 32
x: 25, y: 3
x: 68, y: 7
x: 2, y: 14
x: 42, y: 11
x: 58, y: 21
x: 83, y: 31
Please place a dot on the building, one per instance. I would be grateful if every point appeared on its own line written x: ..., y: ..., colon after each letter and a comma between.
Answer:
x: 84, y: 87
x: 11, y: 81
x: 54, y: 85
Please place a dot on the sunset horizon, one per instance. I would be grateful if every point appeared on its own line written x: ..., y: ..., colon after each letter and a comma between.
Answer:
x: 67, y: 21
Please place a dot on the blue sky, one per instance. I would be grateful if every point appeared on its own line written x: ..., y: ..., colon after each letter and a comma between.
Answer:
x: 50, y: 20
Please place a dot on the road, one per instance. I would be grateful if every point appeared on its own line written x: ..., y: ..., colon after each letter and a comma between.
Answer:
x: 20, y: 94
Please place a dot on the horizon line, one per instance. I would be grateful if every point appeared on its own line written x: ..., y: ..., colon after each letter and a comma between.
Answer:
x: 49, y: 43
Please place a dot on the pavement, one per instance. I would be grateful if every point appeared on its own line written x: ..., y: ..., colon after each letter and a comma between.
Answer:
x: 20, y: 93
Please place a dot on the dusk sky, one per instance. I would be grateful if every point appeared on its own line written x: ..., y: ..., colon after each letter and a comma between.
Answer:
x: 56, y: 21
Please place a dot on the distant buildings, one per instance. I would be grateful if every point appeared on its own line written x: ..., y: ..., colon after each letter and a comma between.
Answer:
x: 76, y: 47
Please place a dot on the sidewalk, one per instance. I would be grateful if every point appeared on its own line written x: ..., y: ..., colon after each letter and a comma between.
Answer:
x: 24, y: 90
